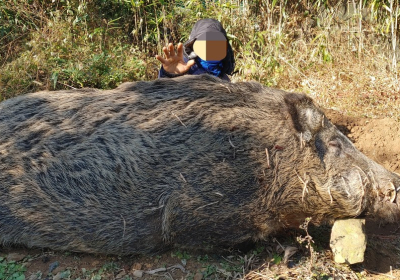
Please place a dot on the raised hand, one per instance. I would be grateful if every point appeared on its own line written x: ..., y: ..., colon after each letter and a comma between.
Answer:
x: 173, y: 62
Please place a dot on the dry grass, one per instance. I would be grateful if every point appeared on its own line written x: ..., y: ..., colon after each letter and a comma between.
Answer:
x: 344, y: 55
x: 345, y: 62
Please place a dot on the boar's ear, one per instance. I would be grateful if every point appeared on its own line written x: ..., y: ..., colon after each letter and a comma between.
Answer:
x: 307, y: 118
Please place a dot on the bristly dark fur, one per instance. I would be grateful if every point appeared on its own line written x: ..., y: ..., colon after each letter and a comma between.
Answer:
x: 175, y: 162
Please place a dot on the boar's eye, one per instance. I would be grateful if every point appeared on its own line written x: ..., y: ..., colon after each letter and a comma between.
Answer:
x: 332, y: 147
x: 335, y: 146
x: 335, y: 143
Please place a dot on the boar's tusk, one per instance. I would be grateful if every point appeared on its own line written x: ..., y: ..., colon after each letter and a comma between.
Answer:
x: 393, y: 196
x: 366, y: 176
x: 347, y: 187
x: 363, y: 190
x: 329, y: 192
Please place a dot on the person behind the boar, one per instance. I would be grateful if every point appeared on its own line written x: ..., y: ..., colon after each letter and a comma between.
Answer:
x: 207, y: 51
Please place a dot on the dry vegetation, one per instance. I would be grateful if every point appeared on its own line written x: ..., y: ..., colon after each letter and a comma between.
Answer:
x: 342, y: 53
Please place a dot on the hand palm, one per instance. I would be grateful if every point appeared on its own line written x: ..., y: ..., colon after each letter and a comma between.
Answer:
x: 173, y: 62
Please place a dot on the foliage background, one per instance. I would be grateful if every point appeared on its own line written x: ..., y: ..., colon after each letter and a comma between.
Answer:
x: 343, y: 53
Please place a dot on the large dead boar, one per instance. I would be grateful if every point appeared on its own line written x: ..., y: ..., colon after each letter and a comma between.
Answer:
x: 176, y: 162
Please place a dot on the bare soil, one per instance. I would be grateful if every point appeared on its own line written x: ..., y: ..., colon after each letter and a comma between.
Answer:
x: 377, y: 138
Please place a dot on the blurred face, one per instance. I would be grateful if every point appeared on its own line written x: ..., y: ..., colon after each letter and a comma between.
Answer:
x: 211, y: 46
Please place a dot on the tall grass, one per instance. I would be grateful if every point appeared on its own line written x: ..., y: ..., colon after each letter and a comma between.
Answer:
x: 343, y: 53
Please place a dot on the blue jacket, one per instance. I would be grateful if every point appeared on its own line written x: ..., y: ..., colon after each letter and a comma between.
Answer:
x: 196, y: 69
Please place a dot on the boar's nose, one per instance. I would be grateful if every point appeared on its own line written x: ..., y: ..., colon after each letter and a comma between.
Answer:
x: 397, y: 190
x: 390, y: 193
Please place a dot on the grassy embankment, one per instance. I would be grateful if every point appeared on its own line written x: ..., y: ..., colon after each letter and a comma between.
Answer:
x: 343, y: 55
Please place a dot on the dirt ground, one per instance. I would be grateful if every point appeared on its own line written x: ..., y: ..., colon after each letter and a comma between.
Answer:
x: 377, y: 138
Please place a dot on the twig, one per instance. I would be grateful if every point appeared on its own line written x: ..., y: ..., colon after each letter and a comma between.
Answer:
x: 234, y: 148
x: 274, y: 239
x: 183, y: 178
x: 302, y: 141
x: 206, y: 205
x: 305, y: 185
x: 228, y: 260
x: 219, y: 194
x: 124, y: 222
x: 226, y: 88
x: 297, y: 70
x: 164, y: 269
x: 177, y: 266
x: 308, y: 239
x: 71, y: 87
x: 154, y: 271
x: 276, y: 168
x: 267, y: 153
x: 178, y: 119
x: 230, y: 142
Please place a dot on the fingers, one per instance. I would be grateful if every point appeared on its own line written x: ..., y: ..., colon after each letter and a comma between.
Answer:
x: 174, y: 62
x: 190, y: 63
x: 180, y: 50
x: 168, y: 50
x: 161, y: 59
x: 171, y: 49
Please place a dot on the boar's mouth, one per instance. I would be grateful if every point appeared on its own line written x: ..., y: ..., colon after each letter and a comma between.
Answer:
x: 387, y: 200
x: 387, y: 193
x: 391, y: 193
x: 371, y: 193
x: 397, y: 190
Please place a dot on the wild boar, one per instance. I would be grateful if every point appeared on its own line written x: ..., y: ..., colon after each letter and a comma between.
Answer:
x: 176, y: 162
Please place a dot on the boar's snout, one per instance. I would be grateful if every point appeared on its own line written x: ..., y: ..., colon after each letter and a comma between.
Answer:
x: 386, y: 187
x: 387, y: 200
x: 356, y: 181
x: 391, y: 193
x: 397, y: 189
x: 388, y: 192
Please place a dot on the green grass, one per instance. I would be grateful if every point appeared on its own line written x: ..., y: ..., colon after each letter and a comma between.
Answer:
x: 312, y: 47
x: 10, y: 270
